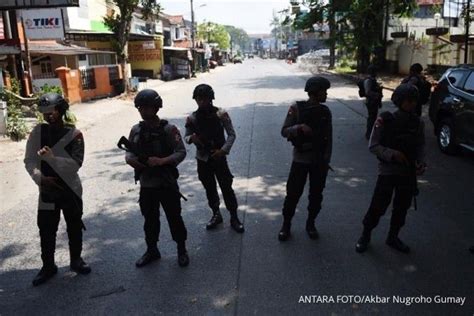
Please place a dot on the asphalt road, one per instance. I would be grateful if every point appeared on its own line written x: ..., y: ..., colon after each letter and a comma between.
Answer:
x: 251, y: 273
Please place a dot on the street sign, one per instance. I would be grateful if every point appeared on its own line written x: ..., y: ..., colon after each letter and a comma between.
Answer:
x: 34, y: 4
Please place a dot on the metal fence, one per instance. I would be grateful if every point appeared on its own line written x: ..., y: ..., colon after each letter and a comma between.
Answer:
x: 114, y: 77
x: 88, y: 79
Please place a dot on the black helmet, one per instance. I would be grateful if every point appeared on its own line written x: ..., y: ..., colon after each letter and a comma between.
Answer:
x: 148, y: 97
x: 416, y: 68
x: 403, y: 92
x: 49, y: 101
x: 372, y: 70
x: 316, y: 84
x: 203, y: 90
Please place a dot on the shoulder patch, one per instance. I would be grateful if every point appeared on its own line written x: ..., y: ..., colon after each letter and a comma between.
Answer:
x: 175, y: 134
x: 379, y: 122
x: 292, y: 110
x: 78, y: 135
x: 225, y: 116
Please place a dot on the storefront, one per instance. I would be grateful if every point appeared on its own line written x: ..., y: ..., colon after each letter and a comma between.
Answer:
x: 177, y: 63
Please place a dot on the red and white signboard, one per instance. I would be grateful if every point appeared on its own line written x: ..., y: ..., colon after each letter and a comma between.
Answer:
x: 2, y: 29
x: 429, y: 2
x: 43, y: 23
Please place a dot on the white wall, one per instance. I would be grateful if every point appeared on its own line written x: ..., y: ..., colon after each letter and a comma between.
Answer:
x: 89, y: 10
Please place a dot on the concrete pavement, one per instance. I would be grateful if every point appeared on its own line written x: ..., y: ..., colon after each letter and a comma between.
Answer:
x: 251, y: 273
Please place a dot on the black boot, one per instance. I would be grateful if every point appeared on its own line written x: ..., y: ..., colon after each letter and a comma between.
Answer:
x: 46, y: 273
x: 183, y: 258
x: 215, y: 220
x: 152, y: 254
x: 235, y: 223
x: 311, y: 229
x: 395, y: 242
x: 79, y: 266
x: 363, y: 241
x: 285, y: 231
x: 471, y: 249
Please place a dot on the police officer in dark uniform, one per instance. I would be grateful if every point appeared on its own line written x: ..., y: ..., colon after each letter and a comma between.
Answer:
x: 373, y: 93
x: 308, y: 125
x: 205, y: 129
x: 54, y: 154
x: 398, y: 141
x: 416, y: 78
x: 161, y: 150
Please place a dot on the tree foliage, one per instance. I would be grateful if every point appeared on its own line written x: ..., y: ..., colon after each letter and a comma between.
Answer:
x: 214, y: 33
x: 281, y: 27
x: 120, y: 23
x: 359, y: 23
x: 238, y: 36
x: 16, y: 123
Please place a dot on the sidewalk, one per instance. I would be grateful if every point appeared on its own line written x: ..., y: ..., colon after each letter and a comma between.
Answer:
x: 88, y: 113
x: 389, y: 81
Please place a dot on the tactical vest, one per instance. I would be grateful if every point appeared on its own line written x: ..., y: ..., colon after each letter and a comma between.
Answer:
x: 318, y: 118
x: 152, y: 141
x: 50, y: 137
x: 400, y: 133
x: 209, y: 128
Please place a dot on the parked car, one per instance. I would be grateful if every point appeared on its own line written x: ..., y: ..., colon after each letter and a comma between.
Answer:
x: 452, y: 109
x: 250, y: 56
x: 237, y: 60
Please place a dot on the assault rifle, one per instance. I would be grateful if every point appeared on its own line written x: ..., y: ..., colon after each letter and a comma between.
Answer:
x: 168, y: 173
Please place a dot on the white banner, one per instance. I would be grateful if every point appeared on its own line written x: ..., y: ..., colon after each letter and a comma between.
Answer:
x: 149, y: 45
x: 43, y: 23
x: 21, y: 4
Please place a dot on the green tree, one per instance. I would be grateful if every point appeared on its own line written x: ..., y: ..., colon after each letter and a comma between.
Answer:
x: 214, y: 33
x: 359, y: 26
x: 16, y: 123
x: 238, y: 36
x: 120, y: 23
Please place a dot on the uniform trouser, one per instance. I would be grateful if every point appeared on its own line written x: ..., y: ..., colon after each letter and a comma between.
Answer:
x: 387, y: 184
x: 372, y: 111
x: 208, y: 172
x: 295, y: 186
x: 150, y: 201
x: 48, y: 221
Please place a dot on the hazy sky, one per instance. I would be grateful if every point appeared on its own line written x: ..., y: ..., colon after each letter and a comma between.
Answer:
x: 253, y: 16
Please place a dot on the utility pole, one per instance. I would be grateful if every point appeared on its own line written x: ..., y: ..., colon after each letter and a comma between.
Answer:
x: 332, y: 35
x: 467, y: 22
x: 193, y: 73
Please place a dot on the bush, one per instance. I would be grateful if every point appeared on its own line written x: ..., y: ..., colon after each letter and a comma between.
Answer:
x: 49, y: 89
x: 16, y: 124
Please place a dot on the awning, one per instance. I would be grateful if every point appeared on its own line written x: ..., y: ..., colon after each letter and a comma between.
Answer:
x: 9, y: 50
x: 104, y: 36
x: 55, y: 48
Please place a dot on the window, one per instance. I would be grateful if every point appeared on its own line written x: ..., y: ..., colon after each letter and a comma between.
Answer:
x: 178, y: 36
x: 455, y: 77
x: 46, y: 67
x: 469, y: 86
